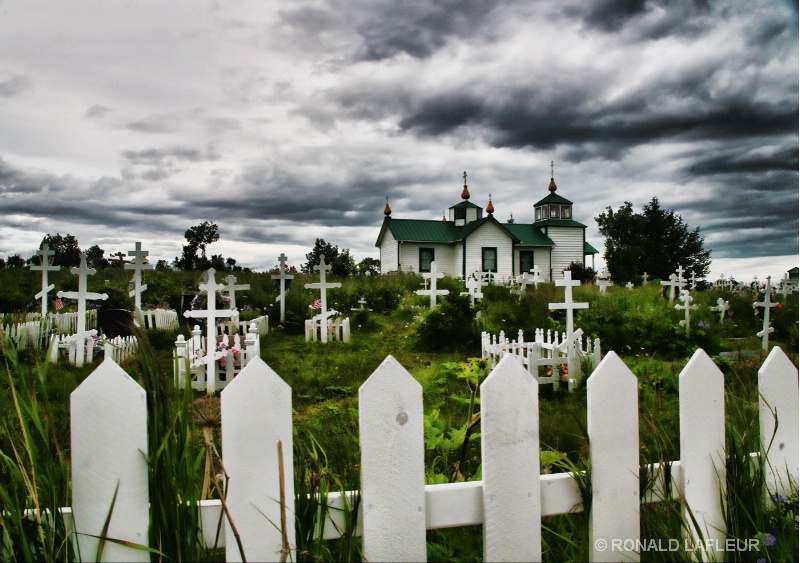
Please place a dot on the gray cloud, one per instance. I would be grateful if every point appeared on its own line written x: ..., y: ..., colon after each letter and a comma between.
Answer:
x: 13, y: 84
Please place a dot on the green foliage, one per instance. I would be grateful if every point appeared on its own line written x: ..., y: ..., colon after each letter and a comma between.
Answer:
x: 67, y: 251
x: 656, y: 241
x: 341, y: 262
x: 450, y: 326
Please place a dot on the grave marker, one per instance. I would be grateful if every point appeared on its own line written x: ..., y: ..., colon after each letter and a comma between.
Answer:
x: 687, y: 307
x: 82, y: 271
x: 433, y: 292
x: 282, y: 276
x: 211, y: 314
x: 629, y: 285
x: 767, y: 305
x: 674, y: 283
x: 45, y: 267
x: 569, y: 305
x: 722, y: 307
x: 323, y: 286
x: 138, y: 264
x: 231, y: 288
x: 473, y: 290
x: 644, y: 278
x: 362, y: 305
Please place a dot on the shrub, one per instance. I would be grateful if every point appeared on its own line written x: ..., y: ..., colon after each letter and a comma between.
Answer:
x: 450, y: 326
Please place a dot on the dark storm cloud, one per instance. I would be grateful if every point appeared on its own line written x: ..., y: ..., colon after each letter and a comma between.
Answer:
x: 13, y: 84
x: 97, y: 111
x: 735, y: 162
x: 152, y: 157
x: 645, y: 19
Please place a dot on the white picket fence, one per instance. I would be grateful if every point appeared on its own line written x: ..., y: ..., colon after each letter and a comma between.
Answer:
x: 162, y: 319
x: 190, y: 363
x: 109, y: 434
x: 118, y: 348
x: 338, y: 329
x: 546, y: 349
x: 236, y: 326
x: 36, y: 333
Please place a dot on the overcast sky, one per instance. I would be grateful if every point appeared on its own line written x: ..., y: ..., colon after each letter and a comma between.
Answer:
x: 286, y: 121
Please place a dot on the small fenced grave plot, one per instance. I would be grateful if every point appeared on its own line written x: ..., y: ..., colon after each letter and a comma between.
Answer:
x: 398, y: 507
x: 323, y: 286
x: 229, y: 355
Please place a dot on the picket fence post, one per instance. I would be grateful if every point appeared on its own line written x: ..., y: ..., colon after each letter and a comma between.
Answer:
x: 109, y: 445
x: 510, y: 464
x: 701, y: 398
x: 778, y: 414
x: 613, y: 425
x: 392, y: 465
x: 256, y: 414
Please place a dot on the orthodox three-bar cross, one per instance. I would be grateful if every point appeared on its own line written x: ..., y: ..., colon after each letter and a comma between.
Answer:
x: 138, y: 264
x: 211, y: 314
x: 767, y: 304
x: 46, y: 254
x: 433, y: 275
x: 282, y: 276
x: 231, y: 288
x: 323, y: 286
x: 83, y: 271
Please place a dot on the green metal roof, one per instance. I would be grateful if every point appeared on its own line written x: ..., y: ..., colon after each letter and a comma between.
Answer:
x: 589, y: 249
x: 559, y: 223
x: 528, y: 234
x: 465, y: 204
x: 553, y: 198
x: 423, y: 230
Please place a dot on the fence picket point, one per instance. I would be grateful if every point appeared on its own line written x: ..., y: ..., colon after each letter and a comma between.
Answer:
x: 109, y: 443
x: 702, y: 443
x: 257, y: 399
x: 613, y: 425
x: 510, y: 464
x: 392, y: 465
x: 777, y: 386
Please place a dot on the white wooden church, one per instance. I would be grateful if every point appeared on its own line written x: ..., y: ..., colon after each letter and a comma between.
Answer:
x: 466, y: 240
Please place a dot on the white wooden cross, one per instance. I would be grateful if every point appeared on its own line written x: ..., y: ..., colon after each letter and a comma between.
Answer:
x: 644, y: 278
x: 687, y: 306
x: 767, y: 304
x: 785, y: 287
x: 362, y: 305
x: 137, y: 265
x: 231, y: 288
x: 211, y: 314
x: 568, y: 304
x: 693, y: 280
x: 323, y: 287
x: 604, y: 284
x: 45, y: 253
x: 433, y: 292
x: 722, y: 307
x: 674, y: 284
x: 629, y: 285
x: 473, y: 290
x: 487, y: 278
x: 83, y: 271
x: 282, y: 276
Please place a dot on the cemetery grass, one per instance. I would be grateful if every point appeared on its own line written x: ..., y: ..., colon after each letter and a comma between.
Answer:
x: 325, y: 381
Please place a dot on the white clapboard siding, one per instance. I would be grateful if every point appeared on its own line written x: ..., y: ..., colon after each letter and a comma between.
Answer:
x: 490, y: 235
x: 388, y: 253
x: 442, y: 253
x: 392, y: 465
x: 702, y: 442
x: 109, y: 443
x: 568, y: 248
x: 256, y: 414
x: 613, y: 425
x: 510, y: 461
x: 777, y: 385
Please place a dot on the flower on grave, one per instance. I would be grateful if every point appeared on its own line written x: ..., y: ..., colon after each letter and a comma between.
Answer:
x: 778, y: 498
x: 780, y: 305
x: 769, y: 540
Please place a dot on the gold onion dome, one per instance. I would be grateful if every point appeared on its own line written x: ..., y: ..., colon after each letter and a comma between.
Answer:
x: 490, y: 207
x: 465, y: 192
x: 552, y: 187
x: 387, y: 210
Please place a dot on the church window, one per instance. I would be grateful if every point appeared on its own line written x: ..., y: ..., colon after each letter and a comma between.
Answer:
x: 554, y: 212
x: 426, y: 256
x: 461, y: 213
x: 538, y: 213
x: 489, y: 263
x: 566, y: 212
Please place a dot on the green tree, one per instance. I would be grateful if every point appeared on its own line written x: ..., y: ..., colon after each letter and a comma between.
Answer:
x: 15, y: 261
x: 655, y: 241
x: 68, y: 253
x: 344, y: 264
x: 321, y: 248
x: 201, y: 236
x: 369, y: 267
x: 95, y: 257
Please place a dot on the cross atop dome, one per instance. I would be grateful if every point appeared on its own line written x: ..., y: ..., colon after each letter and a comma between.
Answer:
x: 465, y: 192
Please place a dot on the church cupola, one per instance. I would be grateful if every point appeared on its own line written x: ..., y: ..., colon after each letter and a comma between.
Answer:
x: 553, y: 207
x: 465, y: 211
